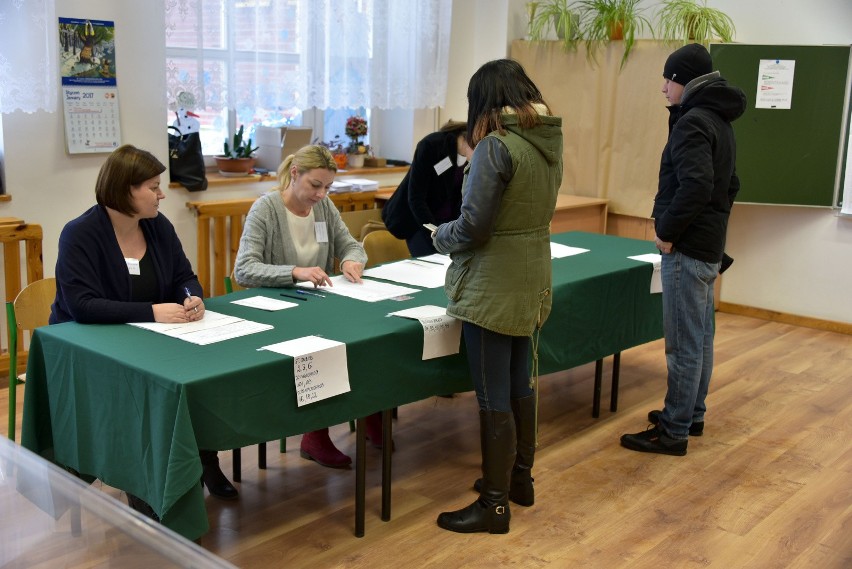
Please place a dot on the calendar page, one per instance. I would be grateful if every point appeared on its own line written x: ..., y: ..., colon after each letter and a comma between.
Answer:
x: 89, y: 85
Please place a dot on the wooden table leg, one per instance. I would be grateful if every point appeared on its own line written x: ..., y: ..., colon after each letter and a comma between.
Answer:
x: 616, y: 368
x: 360, y: 474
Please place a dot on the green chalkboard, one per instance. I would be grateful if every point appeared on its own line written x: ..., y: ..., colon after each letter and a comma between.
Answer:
x: 789, y: 156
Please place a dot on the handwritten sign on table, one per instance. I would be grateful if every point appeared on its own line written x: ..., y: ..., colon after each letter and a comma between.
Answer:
x: 441, y: 333
x: 319, y: 367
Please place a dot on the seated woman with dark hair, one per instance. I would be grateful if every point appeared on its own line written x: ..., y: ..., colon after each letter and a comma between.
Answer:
x: 121, y: 261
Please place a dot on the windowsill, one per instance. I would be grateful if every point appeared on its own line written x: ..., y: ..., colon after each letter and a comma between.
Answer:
x: 214, y: 178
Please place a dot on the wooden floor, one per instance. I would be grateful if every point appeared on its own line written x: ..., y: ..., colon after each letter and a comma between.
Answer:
x: 768, y: 485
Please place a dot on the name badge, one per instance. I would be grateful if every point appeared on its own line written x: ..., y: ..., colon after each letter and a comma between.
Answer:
x: 132, y: 266
x: 321, y: 231
x: 443, y: 166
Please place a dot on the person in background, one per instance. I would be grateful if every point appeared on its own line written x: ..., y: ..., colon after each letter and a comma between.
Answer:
x: 431, y: 189
x: 698, y: 183
x: 121, y: 261
x: 294, y: 235
x: 499, y: 282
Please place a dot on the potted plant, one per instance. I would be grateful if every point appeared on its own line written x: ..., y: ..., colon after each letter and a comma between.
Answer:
x: 557, y: 14
x: 356, y: 127
x: 687, y: 21
x: 602, y: 21
x: 236, y: 159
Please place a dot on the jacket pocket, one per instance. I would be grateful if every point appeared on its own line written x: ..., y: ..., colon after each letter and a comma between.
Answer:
x: 457, y: 275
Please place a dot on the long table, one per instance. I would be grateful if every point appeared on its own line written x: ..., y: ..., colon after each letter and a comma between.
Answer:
x: 132, y: 407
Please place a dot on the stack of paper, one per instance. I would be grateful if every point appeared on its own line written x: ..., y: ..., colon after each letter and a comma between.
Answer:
x: 362, y: 184
x: 338, y: 187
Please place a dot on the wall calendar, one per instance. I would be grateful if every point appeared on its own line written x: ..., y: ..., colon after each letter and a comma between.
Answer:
x: 89, y: 86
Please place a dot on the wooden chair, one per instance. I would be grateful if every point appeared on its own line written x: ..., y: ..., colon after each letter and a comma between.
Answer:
x: 29, y: 310
x: 381, y: 247
x: 19, y: 239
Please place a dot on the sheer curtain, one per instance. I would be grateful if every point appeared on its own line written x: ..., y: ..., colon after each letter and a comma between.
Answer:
x: 382, y: 53
x: 28, y: 47
x: 282, y: 56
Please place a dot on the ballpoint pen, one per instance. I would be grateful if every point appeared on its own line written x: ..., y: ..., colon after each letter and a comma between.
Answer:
x: 189, y: 296
x: 294, y: 297
x: 310, y: 292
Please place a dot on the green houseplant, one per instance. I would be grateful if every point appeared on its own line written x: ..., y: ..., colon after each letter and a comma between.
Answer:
x: 687, y: 21
x: 602, y: 21
x: 559, y: 15
x: 237, y: 157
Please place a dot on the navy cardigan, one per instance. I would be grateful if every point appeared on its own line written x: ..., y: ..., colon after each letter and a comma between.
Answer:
x: 92, y: 281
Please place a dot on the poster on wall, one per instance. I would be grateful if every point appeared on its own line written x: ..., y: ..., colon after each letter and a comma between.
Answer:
x: 775, y: 84
x: 89, y: 86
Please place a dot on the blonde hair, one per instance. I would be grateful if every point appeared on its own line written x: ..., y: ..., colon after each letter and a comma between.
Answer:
x: 306, y: 158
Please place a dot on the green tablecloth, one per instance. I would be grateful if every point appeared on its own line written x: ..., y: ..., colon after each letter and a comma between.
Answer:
x: 132, y: 407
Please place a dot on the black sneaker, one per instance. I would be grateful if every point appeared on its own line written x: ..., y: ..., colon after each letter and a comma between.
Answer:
x: 696, y: 429
x: 654, y: 440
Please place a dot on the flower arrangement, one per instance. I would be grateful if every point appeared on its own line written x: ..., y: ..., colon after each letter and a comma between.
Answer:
x: 356, y: 127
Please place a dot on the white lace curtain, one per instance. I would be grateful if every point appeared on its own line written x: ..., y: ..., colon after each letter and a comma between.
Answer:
x: 28, y: 77
x: 309, y: 53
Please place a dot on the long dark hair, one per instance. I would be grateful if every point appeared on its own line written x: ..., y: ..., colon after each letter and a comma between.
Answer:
x: 496, y: 85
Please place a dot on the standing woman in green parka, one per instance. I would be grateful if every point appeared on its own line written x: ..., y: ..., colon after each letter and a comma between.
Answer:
x: 499, y: 283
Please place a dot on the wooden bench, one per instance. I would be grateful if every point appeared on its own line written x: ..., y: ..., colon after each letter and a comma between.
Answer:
x: 16, y: 235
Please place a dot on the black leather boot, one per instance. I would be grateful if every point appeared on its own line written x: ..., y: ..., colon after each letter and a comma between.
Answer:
x: 521, y: 489
x: 490, y: 513
x: 213, y: 478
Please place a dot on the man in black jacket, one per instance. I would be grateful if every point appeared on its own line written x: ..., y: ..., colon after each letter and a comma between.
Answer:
x: 698, y: 183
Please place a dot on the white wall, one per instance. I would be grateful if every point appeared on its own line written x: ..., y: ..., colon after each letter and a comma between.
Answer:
x: 787, y: 259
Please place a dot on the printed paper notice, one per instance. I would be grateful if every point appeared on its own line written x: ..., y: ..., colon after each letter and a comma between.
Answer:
x: 656, y: 277
x: 441, y: 333
x: 775, y: 84
x: 319, y: 367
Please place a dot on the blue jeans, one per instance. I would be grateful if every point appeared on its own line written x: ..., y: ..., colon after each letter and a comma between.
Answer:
x: 499, y: 367
x: 688, y: 324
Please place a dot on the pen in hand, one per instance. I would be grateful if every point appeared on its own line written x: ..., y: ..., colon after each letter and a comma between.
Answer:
x: 189, y: 296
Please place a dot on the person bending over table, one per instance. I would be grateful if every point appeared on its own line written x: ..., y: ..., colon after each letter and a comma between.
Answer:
x: 431, y: 190
x: 121, y: 261
x: 499, y: 283
x: 293, y: 235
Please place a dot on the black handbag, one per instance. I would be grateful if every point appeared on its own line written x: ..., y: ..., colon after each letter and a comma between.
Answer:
x: 186, y: 161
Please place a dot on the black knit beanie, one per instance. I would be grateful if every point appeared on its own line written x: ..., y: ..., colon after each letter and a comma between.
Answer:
x: 687, y: 63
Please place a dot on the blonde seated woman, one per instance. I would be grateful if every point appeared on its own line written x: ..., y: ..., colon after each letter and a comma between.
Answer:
x: 293, y: 235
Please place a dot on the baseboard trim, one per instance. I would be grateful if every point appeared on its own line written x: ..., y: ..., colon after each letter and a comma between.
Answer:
x: 806, y: 321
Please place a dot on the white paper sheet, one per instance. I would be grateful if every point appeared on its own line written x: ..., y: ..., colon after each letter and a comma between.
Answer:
x: 366, y: 290
x: 441, y: 333
x: 412, y: 272
x: 264, y: 303
x: 319, y: 367
x: 558, y: 250
x: 214, y: 327
x: 656, y: 277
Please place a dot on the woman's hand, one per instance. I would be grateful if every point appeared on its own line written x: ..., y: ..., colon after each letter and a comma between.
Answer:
x: 352, y: 270
x: 194, y: 307
x: 311, y: 274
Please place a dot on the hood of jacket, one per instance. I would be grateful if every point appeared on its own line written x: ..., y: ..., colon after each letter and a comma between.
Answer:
x: 713, y: 93
x: 545, y: 137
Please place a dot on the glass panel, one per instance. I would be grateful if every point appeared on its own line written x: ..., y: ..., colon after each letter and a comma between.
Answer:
x: 265, y: 26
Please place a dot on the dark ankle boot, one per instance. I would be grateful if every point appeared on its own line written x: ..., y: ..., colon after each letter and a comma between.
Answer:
x: 213, y: 478
x: 521, y: 489
x: 490, y: 513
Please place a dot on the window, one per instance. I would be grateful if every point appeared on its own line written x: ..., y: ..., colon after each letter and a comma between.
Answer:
x: 277, y: 62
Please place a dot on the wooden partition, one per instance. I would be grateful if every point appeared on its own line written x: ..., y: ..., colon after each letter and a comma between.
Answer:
x: 17, y: 236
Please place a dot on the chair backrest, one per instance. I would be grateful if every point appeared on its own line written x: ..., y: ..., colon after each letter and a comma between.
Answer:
x: 231, y: 284
x: 381, y: 247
